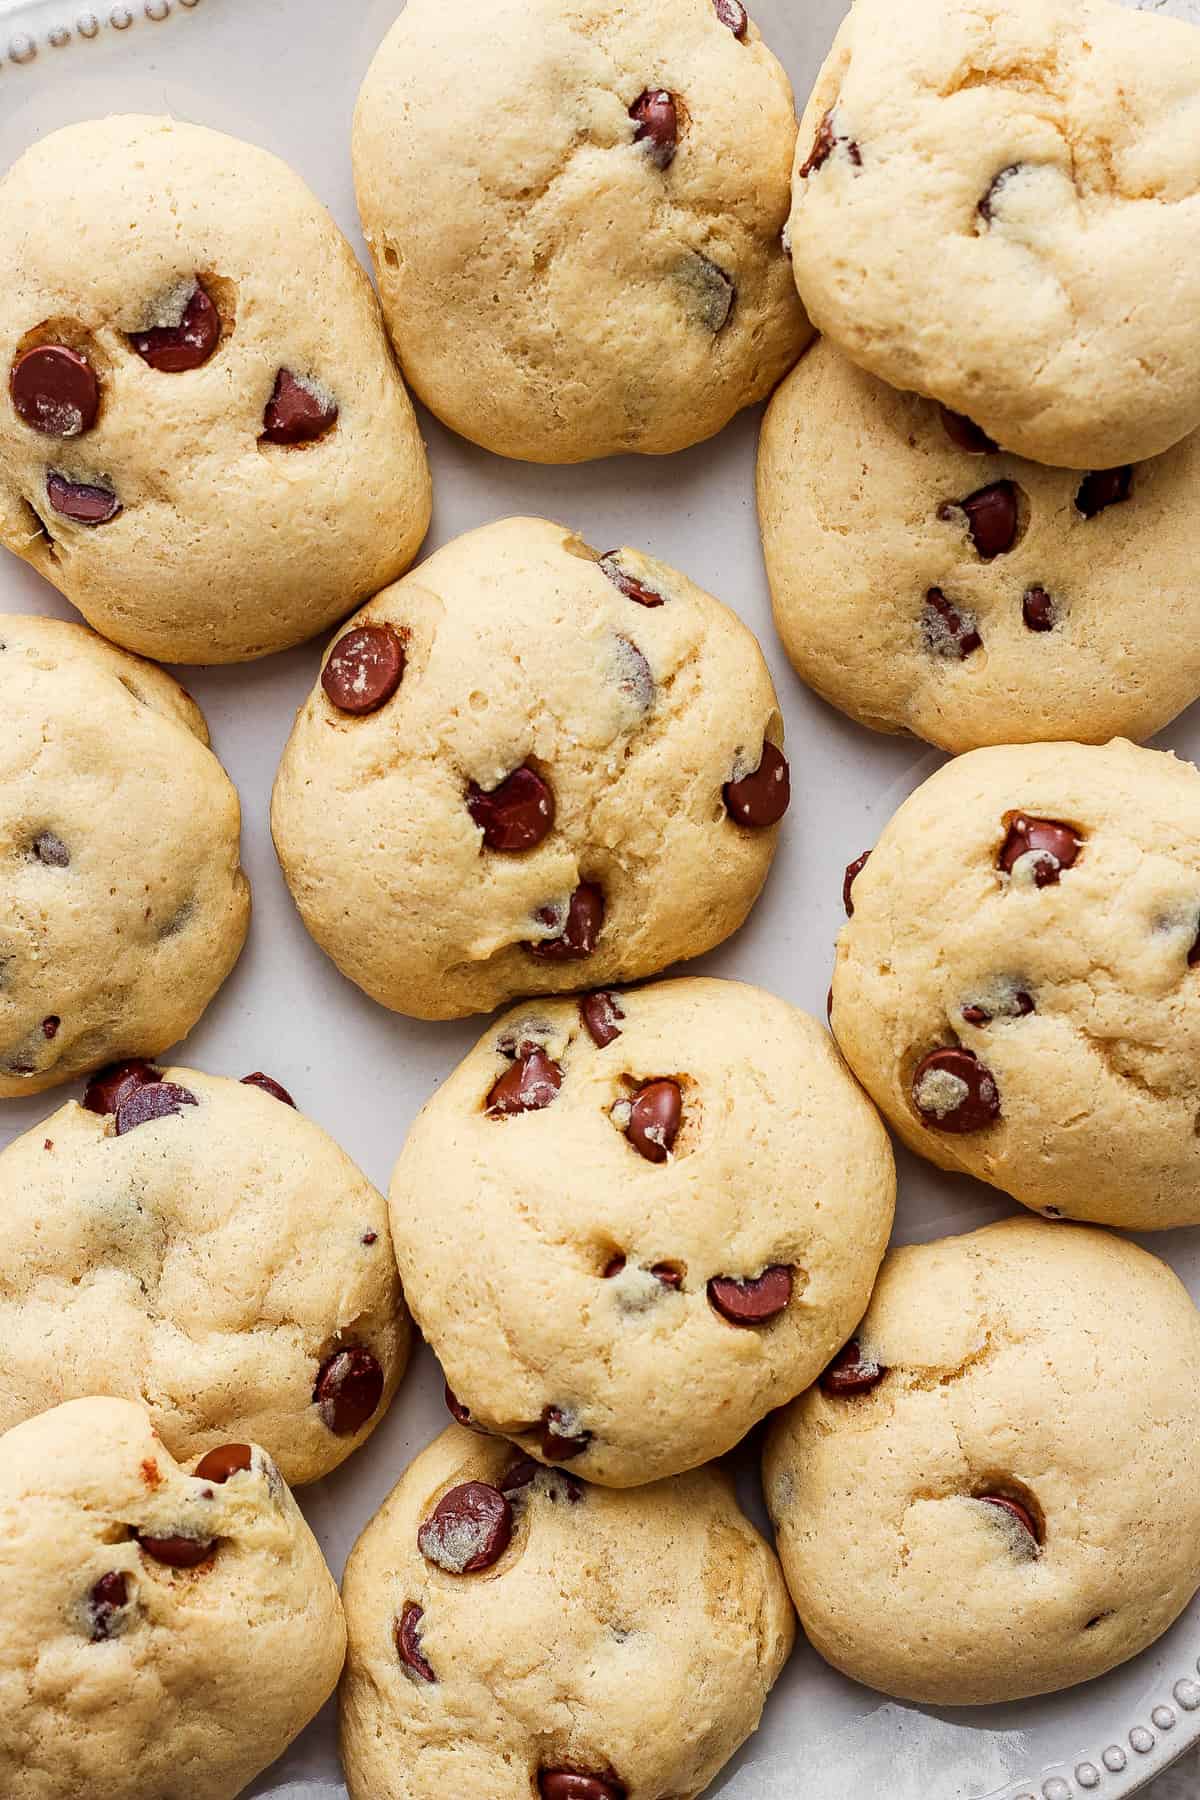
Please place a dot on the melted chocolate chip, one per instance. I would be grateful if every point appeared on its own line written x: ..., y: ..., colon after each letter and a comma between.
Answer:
x: 525, y: 1471
x: 558, y: 1442
x: 175, y: 349
x: 461, y: 1414
x: 600, y: 1013
x: 1052, y: 846
x: 947, y: 630
x: 298, y: 411
x: 55, y: 391
x: 515, y: 816
x: 50, y: 1026
x: 1037, y: 609
x: 50, y: 849
x: 220, y: 1464
x: 755, y: 1301
x: 953, y: 1091
x: 469, y: 1529
x: 581, y: 931
x: 655, y: 1112
x: 407, y: 1633
x: 760, y: 799
x: 822, y: 148
x: 986, y: 206
x: 364, y: 669
x: 156, y: 1100
x: 1101, y: 488
x: 178, y: 1552
x: 733, y: 15
x: 268, y: 1086
x: 851, y: 1372
x: 106, y: 1599
x: 111, y: 1087
x: 966, y: 434
x: 993, y: 516
x: 570, y: 1784
x: 853, y: 871
x: 657, y: 119
x: 632, y: 589
x: 84, y: 503
x: 1016, y: 1511
x: 348, y: 1390
x: 529, y: 1085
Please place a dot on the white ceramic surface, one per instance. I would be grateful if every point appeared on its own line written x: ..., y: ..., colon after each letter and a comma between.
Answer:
x: 284, y: 73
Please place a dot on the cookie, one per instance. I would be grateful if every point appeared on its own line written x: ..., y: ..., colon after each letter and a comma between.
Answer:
x: 1017, y: 986
x: 529, y: 768
x: 200, y: 1246
x: 204, y: 440
x: 684, y: 1200
x: 996, y: 205
x: 580, y: 254
x: 513, y: 1630
x: 992, y: 1492
x: 165, y: 1631
x: 925, y: 582
x: 124, y: 903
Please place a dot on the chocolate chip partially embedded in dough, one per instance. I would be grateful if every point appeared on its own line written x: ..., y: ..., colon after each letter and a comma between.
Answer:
x: 657, y: 118
x: 106, y: 1599
x: 993, y: 517
x: 49, y: 848
x: 753, y: 1301
x: 601, y: 1013
x: 218, y: 1465
x: 966, y: 434
x: 733, y: 15
x: 1048, y: 844
x: 569, y: 1784
x: 761, y: 798
x: 853, y: 871
x: 157, y: 1100
x: 462, y: 1415
x: 175, y: 349
x: 655, y: 1113
x: 949, y: 630
x: 268, y: 1086
x: 364, y: 669
x: 516, y: 815
x: 986, y: 206
x: 1017, y: 1007
x: 83, y: 502
x: 468, y: 1530
x: 348, y: 1390
x: 299, y: 411
x: 178, y: 1552
x: 55, y: 391
x: 529, y: 1085
x: 407, y: 1633
x: 581, y: 929
x: 852, y: 1371
x: 107, y: 1091
x: 711, y: 293
x: 561, y: 1440
x: 1037, y: 609
x: 628, y: 585
x: 50, y: 1026
x: 822, y: 148
x: 1103, y: 487
x: 953, y: 1091
x: 1014, y: 1510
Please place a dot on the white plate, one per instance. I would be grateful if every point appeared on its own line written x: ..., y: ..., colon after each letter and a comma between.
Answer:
x: 284, y: 73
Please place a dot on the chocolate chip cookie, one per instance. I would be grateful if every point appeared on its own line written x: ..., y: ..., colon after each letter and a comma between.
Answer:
x: 124, y: 905
x: 204, y: 441
x: 166, y: 1631
x: 924, y: 581
x: 575, y: 218
x: 630, y: 1225
x: 999, y: 206
x: 984, y: 1497
x: 514, y: 1631
x: 527, y: 768
x: 1018, y: 985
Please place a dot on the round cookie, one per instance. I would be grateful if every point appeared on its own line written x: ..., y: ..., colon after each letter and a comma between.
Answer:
x: 155, y: 1621
x: 584, y: 257
x: 124, y: 903
x: 684, y: 1200
x: 200, y: 1246
x: 204, y: 440
x: 528, y: 768
x: 922, y: 583
x: 513, y: 1631
x: 980, y: 1501
x: 979, y: 193
x: 1017, y: 987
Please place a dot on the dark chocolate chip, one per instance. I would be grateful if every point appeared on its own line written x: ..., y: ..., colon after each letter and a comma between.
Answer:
x: 1194, y: 952
x: 761, y: 798
x: 461, y: 1414
x: 569, y: 1784
x: 733, y: 15
x: 178, y: 1552
x: 993, y: 516
x: 111, y: 1087
x: 580, y: 933
x: 975, y: 1015
x: 268, y: 1086
x: 1037, y: 609
x: 348, y: 1390
x: 1101, y: 488
x: 469, y: 1529
x: 822, y: 148
x: 948, y: 631
x: 614, y: 1265
x: 633, y: 590
x: 1016, y: 1511
x: 50, y: 849
x: 851, y: 1372
x: 986, y: 205
x: 966, y: 434
x: 600, y: 1012
x: 655, y: 1112
x: 297, y: 412
x: 1053, y: 846
x: 83, y: 502
x: 174, y: 349
x: 936, y: 1096
x: 407, y: 1632
x: 220, y: 1464
x: 557, y: 1443
x: 755, y: 1301
x: 156, y: 1100
x: 369, y: 1237
x: 712, y: 293
x: 55, y: 390
x: 668, y: 1276
x: 657, y: 119
x: 50, y: 1026
x: 515, y: 816
x: 853, y: 871
x: 364, y: 669
x: 525, y: 1471
x: 107, y: 1598
x: 530, y: 1084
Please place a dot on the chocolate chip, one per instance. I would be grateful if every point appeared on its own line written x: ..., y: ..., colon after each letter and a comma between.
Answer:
x: 600, y: 1012
x: 993, y: 515
x: 953, y: 1091
x: 614, y: 1265
x: 1101, y: 488
x: 268, y: 1086
x: 348, y: 1390
x: 657, y: 118
x: 975, y: 1015
x: 178, y: 1552
x: 986, y: 205
x: 111, y: 1087
x: 760, y: 799
x: 106, y: 1599
x: 569, y: 1784
x: 529, y: 1085
x: 156, y: 1100
x: 732, y: 14
x: 635, y: 678
x: 298, y: 412
x: 220, y: 1464
x: 461, y: 1414
x: 668, y: 1276
x: 83, y: 502
x: 50, y: 1026
x: 853, y: 871
x: 559, y: 1443
x: 407, y: 1633
x: 966, y: 434
x: 468, y: 1530
x: 1014, y: 1510
x: 632, y: 590
x: 581, y: 930
x: 1037, y: 609
x: 515, y: 816
x: 174, y: 349
x: 50, y: 849
x: 948, y: 630
x: 364, y: 669
x: 851, y: 1372
x: 369, y: 1237
x: 822, y: 148
x: 55, y: 390
x: 525, y: 1471
x: 755, y: 1301
x: 1052, y: 846
x: 712, y: 293
x: 655, y: 1112
x: 1194, y: 953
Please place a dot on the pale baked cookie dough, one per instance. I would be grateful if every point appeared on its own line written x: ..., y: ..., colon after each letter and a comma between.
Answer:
x: 575, y: 215
x: 998, y: 204
x: 197, y: 1244
x: 529, y: 768
x: 514, y: 1631
x: 923, y: 582
x: 165, y: 1632
x: 994, y: 1491
x: 204, y: 440
x: 1018, y: 987
x: 631, y: 1225
x: 124, y: 904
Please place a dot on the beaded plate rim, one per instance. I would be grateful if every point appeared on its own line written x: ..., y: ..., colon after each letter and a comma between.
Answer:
x: 29, y: 29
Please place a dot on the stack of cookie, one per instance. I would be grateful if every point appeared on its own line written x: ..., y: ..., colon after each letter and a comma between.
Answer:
x: 635, y: 1220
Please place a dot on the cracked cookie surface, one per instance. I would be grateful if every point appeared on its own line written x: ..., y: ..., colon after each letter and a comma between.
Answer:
x: 1011, y: 1505
x: 1018, y: 986
x: 983, y: 191
x: 685, y: 1199
x: 223, y: 1262
x: 125, y: 905
x: 527, y: 768
x: 164, y: 1632
x: 627, y: 1639
x: 586, y: 259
